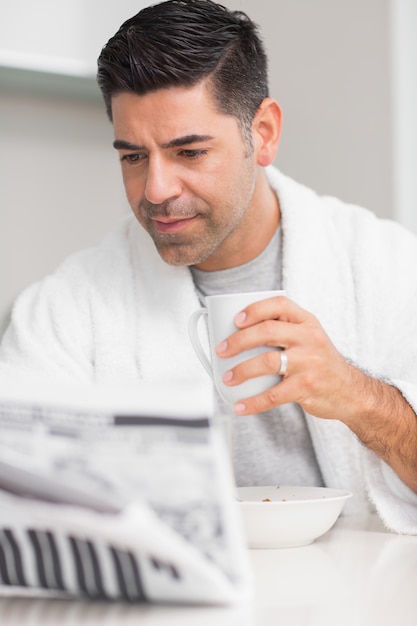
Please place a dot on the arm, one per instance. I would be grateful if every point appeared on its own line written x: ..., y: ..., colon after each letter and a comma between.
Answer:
x: 387, y: 425
x: 322, y: 381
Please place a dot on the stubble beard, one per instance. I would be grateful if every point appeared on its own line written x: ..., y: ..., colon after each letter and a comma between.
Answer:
x: 185, y: 249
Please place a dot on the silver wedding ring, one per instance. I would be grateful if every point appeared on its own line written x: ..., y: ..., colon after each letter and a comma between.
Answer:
x: 284, y: 363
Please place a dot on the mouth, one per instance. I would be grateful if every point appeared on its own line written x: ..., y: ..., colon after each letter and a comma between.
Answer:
x: 172, y: 225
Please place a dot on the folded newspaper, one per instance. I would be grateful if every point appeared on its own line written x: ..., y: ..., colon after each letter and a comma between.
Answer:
x: 118, y: 495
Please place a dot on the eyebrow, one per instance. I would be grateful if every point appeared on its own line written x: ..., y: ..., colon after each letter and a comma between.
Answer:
x: 186, y: 140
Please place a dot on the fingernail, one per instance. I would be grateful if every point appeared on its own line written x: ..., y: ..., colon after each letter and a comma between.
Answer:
x: 222, y: 347
x: 227, y: 376
x: 240, y: 407
x: 240, y: 317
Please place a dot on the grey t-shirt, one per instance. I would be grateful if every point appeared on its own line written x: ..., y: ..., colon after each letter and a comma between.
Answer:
x: 273, y: 447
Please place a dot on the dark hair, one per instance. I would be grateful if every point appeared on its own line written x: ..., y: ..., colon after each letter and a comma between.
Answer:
x: 178, y: 43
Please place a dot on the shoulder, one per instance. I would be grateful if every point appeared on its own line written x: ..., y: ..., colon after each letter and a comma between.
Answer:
x: 53, y: 321
x: 82, y: 279
x: 355, y: 227
x: 101, y: 259
x: 100, y: 268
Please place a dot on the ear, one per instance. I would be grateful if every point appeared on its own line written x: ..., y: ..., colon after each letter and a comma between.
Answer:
x: 266, y: 129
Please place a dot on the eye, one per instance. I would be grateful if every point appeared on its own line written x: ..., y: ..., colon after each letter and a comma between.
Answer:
x: 133, y: 158
x: 193, y: 154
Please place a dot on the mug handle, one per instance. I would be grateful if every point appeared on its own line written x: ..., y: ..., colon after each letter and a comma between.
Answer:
x: 195, y: 340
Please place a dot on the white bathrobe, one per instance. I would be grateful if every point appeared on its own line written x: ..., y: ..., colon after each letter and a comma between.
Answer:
x: 117, y: 313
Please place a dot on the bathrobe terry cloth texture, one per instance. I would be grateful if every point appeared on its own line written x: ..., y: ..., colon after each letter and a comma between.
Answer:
x: 118, y: 313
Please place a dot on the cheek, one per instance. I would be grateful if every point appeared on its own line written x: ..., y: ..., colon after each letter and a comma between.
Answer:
x: 133, y: 187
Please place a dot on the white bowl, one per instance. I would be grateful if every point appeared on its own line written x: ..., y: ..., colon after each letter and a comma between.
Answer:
x: 284, y: 517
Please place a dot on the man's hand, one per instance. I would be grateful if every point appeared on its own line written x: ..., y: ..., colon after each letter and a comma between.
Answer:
x: 318, y: 377
x: 321, y: 380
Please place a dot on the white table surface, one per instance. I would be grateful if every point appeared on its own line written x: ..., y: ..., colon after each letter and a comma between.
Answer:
x: 355, y: 575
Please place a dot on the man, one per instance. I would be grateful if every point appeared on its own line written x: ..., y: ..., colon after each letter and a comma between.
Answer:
x: 185, y: 85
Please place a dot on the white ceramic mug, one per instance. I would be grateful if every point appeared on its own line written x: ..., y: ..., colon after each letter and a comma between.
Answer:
x: 220, y: 311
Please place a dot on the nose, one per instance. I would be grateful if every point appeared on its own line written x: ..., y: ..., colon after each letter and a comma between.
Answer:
x: 162, y: 182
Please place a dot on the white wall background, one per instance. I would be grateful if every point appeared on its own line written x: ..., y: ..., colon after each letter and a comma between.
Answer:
x: 403, y: 23
x: 344, y: 73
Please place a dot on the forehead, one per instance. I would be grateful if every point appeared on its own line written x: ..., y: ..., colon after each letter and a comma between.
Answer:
x: 167, y: 113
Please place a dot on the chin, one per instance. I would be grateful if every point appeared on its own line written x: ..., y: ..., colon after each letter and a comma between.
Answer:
x: 182, y: 258
x: 176, y: 257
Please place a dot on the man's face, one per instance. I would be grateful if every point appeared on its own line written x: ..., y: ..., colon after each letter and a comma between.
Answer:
x: 188, y: 175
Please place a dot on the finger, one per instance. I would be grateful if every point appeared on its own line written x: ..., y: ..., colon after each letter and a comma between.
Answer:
x: 280, y: 307
x: 271, y: 333
x: 282, y: 393
x: 264, y: 364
